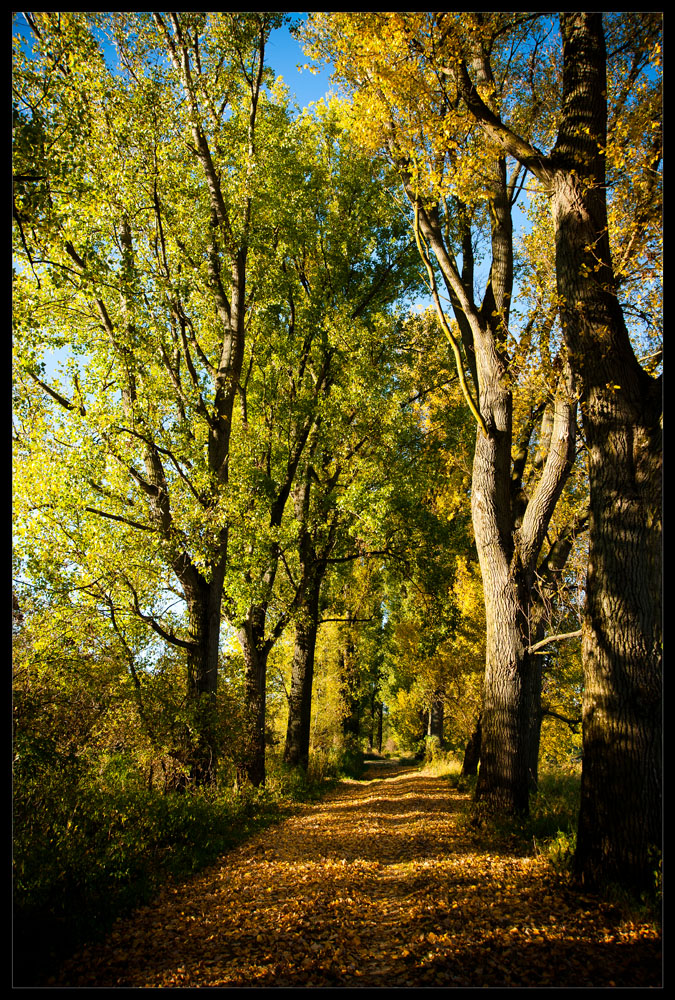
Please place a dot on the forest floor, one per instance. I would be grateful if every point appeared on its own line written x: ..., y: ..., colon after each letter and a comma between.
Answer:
x: 380, y: 884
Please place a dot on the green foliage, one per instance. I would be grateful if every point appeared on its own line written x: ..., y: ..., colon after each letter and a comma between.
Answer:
x: 350, y: 757
x: 560, y: 850
x: 89, y: 844
x: 326, y: 767
x: 102, y: 811
x: 553, y: 813
x: 450, y: 669
x: 561, y: 741
x: 87, y: 847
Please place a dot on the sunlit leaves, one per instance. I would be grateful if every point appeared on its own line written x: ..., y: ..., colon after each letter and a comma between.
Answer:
x: 379, y: 883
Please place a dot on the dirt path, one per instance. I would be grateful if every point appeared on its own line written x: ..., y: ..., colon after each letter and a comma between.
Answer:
x: 376, y: 885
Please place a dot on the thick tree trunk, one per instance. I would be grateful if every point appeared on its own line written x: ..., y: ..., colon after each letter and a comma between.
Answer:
x: 620, y: 814
x: 202, y: 681
x: 509, y: 527
x: 296, y: 750
x: 509, y: 540
x: 503, y: 784
x: 503, y: 778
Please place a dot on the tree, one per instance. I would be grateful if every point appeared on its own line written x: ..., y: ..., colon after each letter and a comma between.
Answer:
x: 620, y: 816
x: 459, y: 188
x: 344, y: 262
x: 521, y: 88
x: 139, y: 247
x: 216, y: 390
x: 349, y: 500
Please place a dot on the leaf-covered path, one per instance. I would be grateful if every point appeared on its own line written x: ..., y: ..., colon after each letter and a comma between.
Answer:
x: 376, y: 885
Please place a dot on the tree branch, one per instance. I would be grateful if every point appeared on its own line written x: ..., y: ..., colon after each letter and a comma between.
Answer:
x: 118, y: 517
x: 553, y: 638
x: 166, y: 634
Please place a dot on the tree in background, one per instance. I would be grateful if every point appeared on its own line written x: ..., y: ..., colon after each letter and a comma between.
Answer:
x: 345, y: 260
x: 363, y: 500
x: 214, y: 270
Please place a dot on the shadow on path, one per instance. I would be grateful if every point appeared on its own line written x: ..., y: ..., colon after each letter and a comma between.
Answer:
x: 380, y: 884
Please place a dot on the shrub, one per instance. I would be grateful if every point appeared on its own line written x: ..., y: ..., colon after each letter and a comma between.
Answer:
x: 83, y: 853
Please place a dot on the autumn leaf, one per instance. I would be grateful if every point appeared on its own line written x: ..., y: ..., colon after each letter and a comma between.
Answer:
x: 427, y: 903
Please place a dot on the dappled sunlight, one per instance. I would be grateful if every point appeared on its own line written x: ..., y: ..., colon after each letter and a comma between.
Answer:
x: 378, y: 885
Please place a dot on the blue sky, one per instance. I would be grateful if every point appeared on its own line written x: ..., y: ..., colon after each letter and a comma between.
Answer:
x: 284, y: 55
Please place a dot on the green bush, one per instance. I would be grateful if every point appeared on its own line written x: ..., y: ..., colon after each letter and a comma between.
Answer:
x: 92, y: 840
x: 86, y: 849
x: 349, y: 758
x: 554, y: 811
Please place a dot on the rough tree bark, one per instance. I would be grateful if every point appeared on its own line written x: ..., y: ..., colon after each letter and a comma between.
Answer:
x: 509, y: 526
x: 621, y: 406
x: 620, y: 815
x: 296, y: 749
x: 202, y: 679
x: 256, y: 649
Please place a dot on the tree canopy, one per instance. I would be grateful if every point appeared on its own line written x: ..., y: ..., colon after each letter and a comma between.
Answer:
x: 338, y: 428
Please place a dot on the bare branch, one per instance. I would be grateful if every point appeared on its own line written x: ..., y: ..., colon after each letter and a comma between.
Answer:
x: 553, y: 638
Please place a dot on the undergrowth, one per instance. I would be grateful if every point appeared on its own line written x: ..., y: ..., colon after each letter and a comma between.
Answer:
x: 549, y: 828
x: 85, y: 851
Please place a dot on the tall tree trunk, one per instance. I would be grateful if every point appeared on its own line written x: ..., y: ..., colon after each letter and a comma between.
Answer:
x: 251, y: 766
x: 472, y: 751
x: 349, y: 684
x: 503, y: 777
x: 436, y: 713
x: 620, y: 814
x: 296, y: 750
x: 313, y: 570
x: 202, y: 684
x: 509, y: 527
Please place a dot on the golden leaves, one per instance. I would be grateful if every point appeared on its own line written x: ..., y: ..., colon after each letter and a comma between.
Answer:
x: 377, y: 885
